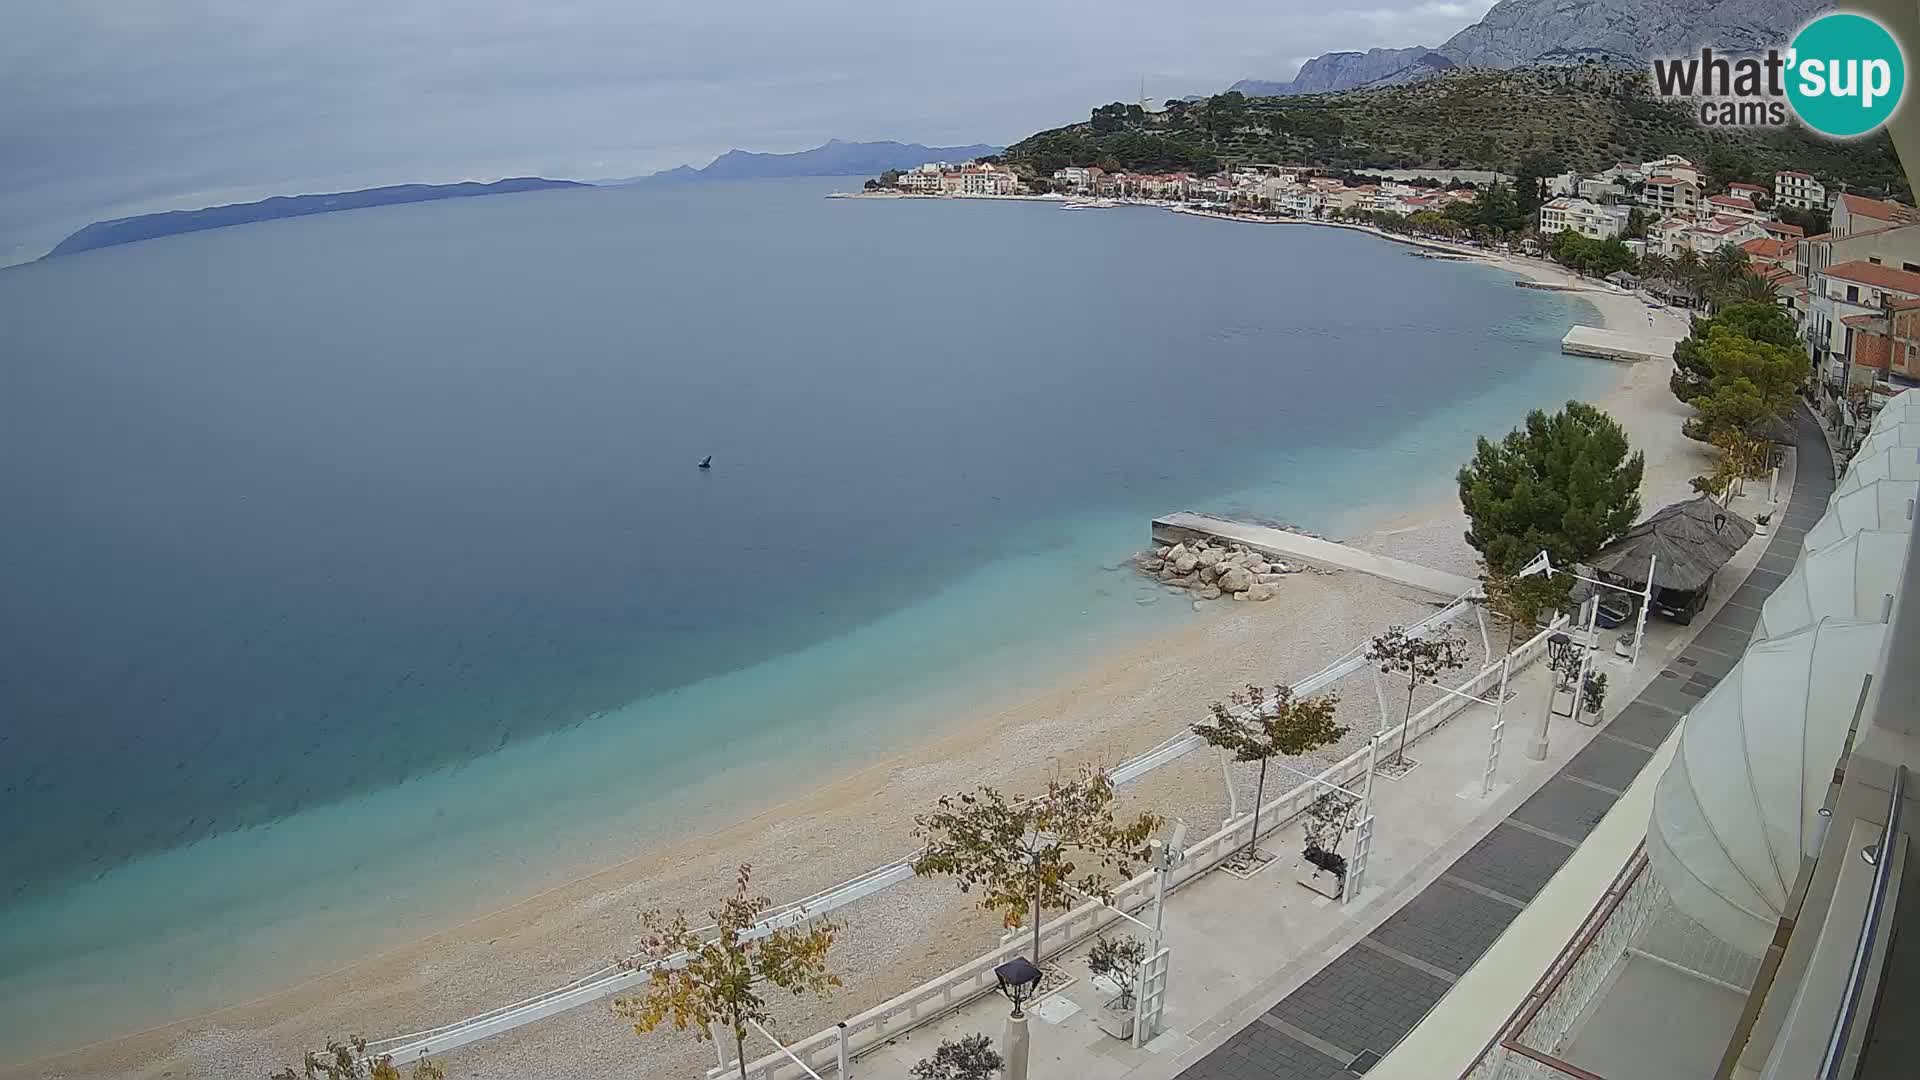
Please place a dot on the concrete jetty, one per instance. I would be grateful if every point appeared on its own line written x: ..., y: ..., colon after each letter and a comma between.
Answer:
x: 1630, y: 346
x: 1294, y: 548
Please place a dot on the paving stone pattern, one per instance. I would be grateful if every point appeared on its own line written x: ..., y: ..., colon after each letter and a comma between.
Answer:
x: 1368, y: 998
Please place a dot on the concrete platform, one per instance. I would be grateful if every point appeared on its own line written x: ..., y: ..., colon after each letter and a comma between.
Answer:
x: 1632, y: 347
x: 1293, y: 547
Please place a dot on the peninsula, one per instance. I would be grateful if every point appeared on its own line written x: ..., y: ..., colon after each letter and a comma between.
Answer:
x: 130, y: 230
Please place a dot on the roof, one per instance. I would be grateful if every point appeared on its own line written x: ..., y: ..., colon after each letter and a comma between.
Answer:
x: 1766, y: 247
x: 1877, y: 208
x: 1860, y: 320
x: 1783, y: 228
x: 1880, y: 277
x: 1663, y: 180
x: 1687, y: 542
x: 1734, y: 201
x: 1747, y: 186
x: 1793, y: 173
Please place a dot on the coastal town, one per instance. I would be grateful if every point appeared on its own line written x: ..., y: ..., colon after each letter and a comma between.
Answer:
x: 1845, y: 265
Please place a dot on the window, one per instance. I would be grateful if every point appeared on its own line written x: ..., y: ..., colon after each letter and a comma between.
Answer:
x: 1853, y: 294
x: 1874, y: 259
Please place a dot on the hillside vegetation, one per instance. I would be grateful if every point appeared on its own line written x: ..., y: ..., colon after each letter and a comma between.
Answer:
x: 1582, y: 117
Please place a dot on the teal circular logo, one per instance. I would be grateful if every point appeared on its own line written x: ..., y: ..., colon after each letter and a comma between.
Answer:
x: 1845, y: 75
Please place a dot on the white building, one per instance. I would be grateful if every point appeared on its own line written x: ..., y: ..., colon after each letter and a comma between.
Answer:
x: 1671, y: 195
x: 1601, y: 190
x: 1673, y: 166
x: 1567, y: 183
x: 1078, y: 177
x: 1733, y: 206
x: 1799, y: 189
x: 1589, y: 219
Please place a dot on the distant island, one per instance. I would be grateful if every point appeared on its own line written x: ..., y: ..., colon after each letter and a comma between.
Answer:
x: 835, y: 158
x: 130, y: 230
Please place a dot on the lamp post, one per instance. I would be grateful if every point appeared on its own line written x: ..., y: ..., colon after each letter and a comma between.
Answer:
x: 1559, y: 646
x: 1019, y: 980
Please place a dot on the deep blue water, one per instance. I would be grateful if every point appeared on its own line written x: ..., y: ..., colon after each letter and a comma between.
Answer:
x: 323, y: 528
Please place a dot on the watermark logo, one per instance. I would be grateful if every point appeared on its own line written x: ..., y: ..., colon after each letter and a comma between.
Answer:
x: 1843, y: 75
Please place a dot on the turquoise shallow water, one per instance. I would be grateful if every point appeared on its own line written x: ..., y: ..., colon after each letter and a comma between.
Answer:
x: 364, y: 578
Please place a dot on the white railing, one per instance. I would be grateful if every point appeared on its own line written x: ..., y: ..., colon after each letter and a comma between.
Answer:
x: 936, y: 998
x: 615, y: 978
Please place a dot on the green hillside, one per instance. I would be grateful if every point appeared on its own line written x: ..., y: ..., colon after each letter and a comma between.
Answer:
x: 1585, y: 117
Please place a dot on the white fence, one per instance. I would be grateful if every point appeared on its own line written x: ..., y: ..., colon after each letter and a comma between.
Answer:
x: 934, y: 999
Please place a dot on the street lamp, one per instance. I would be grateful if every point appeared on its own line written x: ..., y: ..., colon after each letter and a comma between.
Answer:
x: 1019, y: 981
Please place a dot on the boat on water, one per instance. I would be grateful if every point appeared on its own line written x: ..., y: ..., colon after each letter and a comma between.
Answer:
x: 1088, y: 204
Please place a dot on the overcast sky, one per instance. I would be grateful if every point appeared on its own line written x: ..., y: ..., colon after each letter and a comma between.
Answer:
x: 114, y: 107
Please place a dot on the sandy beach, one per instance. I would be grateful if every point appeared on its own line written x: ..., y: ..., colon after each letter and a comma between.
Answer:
x: 1112, y: 708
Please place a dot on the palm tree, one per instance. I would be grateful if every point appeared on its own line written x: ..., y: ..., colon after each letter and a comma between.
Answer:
x: 1656, y: 267
x: 1687, y: 273
x: 1755, y: 287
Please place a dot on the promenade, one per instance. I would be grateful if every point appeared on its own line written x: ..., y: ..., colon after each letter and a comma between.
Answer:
x: 1273, y: 982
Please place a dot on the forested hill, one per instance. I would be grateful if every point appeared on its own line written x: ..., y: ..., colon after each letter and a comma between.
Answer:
x: 1582, y: 117
x: 127, y: 230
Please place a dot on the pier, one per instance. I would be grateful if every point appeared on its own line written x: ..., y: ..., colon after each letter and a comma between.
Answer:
x: 1294, y: 547
x: 1628, y: 346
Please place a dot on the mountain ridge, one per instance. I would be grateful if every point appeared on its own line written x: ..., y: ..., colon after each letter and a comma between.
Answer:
x: 1519, y: 33
x: 835, y: 157
x: 130, y: 230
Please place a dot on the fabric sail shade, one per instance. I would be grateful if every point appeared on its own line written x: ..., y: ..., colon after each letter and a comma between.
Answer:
x: 1736, y: 810
x: 1882, y: 504
x: 1898, y: 463
x: 1848, y: 580
x: 1899, y: 409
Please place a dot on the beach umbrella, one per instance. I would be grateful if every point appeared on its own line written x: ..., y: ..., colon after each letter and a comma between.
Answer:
x: 1849, y: 580
x: 1685, y: 542
x: 1738, y: 807
x: 1898, y: 463
x: 1883, y: 504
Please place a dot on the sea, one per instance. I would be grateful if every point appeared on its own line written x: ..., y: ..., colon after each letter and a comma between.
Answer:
x: 357, y: 575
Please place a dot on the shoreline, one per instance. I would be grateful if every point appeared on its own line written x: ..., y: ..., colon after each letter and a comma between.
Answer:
x: 821, y: 837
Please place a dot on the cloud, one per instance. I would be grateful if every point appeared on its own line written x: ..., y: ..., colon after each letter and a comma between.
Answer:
x: 117, y: 108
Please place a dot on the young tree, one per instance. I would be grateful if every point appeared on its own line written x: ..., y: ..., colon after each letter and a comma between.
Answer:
x: 1119, y: 959
x: 1420, y: 658
x: 349, y: 1061
x: 1564, y: 484
x: 1022, y: 853
x: 1521, y: 600
x: 699, y: 982
x: 1252, y: 728
x: 971, y: 1058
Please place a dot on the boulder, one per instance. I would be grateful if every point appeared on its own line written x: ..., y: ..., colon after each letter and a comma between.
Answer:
x: 1184, y: 563
x: 1256, y: 566
x: 1283, y: 568
x: 1161, y: 552
x: 1236, y: 579
x: 1208, y: 592
x: 1209, y: 574
x: 1239, y: 596
x: 1211, y: 556
x: 1175, y: 552
x: 1154, y: 566
x: 1258, y: 592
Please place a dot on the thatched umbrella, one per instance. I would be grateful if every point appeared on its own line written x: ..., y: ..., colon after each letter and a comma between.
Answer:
x: 1685, y: 542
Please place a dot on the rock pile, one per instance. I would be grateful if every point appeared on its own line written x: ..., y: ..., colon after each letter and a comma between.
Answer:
x: 1210, y: 570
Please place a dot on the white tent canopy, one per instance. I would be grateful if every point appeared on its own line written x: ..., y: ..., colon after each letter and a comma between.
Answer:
x: 1736, y: 810
x: 1883, y: 504
x: 1880, y: 440
x: 1902, y: 407
x: 1848, y: 580
x: 1898, y: 463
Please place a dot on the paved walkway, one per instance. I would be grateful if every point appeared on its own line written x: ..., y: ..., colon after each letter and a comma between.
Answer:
x: 1342, y: 1020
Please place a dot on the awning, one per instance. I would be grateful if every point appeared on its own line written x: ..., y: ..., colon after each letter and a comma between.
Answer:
x: 1849, y: 580
x: 1737, y: 809
x: 1685, y: 542
x: 1882, y: 504
x: 1879, y: 440
x: 1897, y: 463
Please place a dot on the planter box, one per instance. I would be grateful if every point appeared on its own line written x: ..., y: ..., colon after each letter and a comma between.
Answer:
x: 1117, y: 1020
